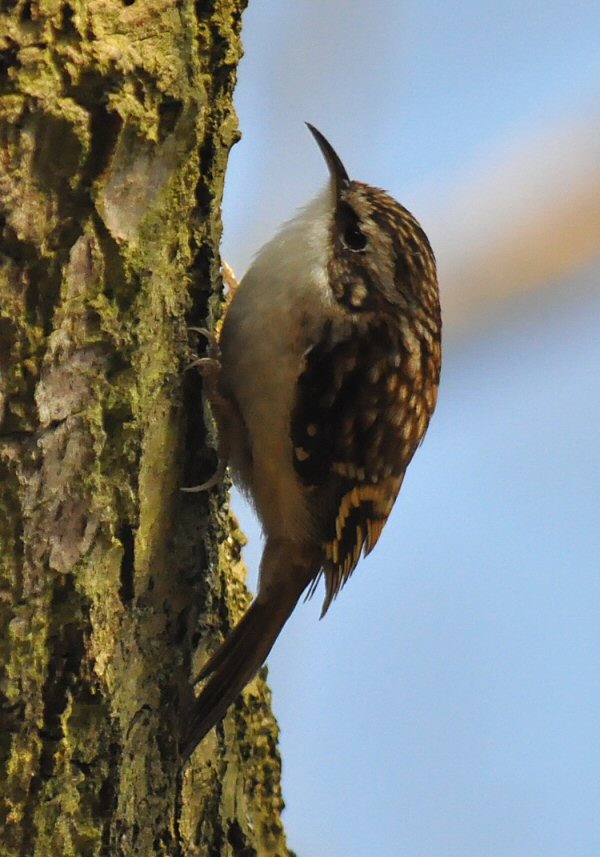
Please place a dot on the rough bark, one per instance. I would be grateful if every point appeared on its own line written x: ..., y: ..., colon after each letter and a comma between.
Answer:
x: 115, y: 125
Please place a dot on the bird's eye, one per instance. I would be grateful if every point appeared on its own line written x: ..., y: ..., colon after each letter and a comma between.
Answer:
x: 354, y: 239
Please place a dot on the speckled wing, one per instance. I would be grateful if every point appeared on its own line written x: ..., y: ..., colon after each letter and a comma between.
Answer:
x: 356, y: 424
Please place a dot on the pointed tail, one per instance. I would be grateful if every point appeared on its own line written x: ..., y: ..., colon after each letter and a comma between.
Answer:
x: 242, y: 654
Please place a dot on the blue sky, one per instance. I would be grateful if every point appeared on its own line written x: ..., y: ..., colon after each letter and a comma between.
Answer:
x: 449, y: 703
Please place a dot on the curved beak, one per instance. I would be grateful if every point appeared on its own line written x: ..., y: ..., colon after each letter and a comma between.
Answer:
x: 337, y: 170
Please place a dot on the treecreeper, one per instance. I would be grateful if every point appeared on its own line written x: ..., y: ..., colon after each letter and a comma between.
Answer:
x: 322, y: 385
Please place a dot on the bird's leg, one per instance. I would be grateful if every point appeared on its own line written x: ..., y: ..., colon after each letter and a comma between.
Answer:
x: 225, y: 411
x: 209, y: 368
x: 210, y: 365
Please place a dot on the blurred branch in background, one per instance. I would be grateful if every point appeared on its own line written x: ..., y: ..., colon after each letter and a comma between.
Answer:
x: 526, y: 218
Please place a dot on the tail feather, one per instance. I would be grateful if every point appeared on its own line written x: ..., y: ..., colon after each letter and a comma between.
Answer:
x: 236, y: 662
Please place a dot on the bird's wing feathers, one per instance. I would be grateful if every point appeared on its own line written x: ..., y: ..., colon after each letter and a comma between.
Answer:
x: 345, y: 446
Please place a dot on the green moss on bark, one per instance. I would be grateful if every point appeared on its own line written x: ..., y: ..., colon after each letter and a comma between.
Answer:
x: 115, y: 126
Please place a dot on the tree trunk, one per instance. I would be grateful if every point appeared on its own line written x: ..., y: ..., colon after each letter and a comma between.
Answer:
x: 115, y: 125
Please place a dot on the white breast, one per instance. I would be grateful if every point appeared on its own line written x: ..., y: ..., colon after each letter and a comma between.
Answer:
x: 276, y: 313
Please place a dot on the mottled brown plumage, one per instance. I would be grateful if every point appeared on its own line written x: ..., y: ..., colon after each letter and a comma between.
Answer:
x: 329, y: 372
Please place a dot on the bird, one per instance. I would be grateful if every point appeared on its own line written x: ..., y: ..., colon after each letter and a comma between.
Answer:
x: 322, y: 385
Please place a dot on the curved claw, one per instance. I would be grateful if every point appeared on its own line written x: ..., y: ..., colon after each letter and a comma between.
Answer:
x: 208, y: 364
x: 205, y: 332
x: 213, y: 349
x: 210, y: 483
